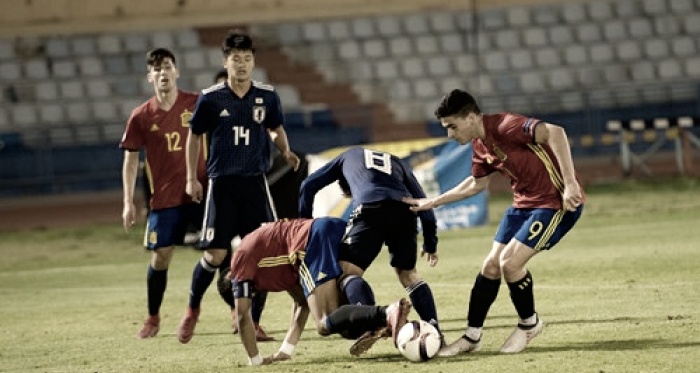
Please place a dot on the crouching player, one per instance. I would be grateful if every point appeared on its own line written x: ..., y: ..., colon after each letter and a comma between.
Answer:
x: 300, y: 256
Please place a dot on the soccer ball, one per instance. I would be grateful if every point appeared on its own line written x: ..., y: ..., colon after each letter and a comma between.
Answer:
x: 418, y: 341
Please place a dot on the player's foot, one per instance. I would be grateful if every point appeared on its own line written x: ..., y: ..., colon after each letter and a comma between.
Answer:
x: 367, y: 340
x: 234, y: 323
x: 396, y: 316
x: 521, y: 336
x: 463, y: 345
x: 150, y: 327
x: 186, y: 329
x: 260, y: 334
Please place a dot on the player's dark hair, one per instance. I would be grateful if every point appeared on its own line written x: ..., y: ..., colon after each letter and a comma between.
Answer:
x: 155, y: 57
x: 238, y: 40
x: 222, y: 74
x: 457, y: 102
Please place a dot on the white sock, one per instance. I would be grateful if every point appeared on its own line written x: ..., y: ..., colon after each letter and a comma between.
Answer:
x: 530, y: 320
x: 473, y: 333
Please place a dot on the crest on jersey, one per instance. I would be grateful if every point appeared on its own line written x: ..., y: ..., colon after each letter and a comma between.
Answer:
x: 185, y: 118
x: 152, y: 237
x: 259, y: 114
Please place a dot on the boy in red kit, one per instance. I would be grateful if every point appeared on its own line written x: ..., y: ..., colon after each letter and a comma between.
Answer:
x: 548, y: 200
x: 300, y: 256
x: 160, y: 126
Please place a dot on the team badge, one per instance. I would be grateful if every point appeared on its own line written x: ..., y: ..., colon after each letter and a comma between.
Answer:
x: 153, y: 237
x: 259, y: 114
x: 185, y: 118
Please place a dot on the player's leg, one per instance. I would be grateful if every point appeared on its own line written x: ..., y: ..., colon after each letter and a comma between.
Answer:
x: 216, y: 241
x: 541, y: 231
x: 360, y: 246
x: 162, y: 233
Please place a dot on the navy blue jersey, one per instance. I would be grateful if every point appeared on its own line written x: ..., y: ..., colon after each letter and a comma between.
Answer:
x: 236, y: 128
x: 372, y: 176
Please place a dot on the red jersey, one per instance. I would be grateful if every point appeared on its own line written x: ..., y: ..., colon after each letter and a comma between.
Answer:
x: 163, y: 134
x: 270, y: 256
x: 509, y: 147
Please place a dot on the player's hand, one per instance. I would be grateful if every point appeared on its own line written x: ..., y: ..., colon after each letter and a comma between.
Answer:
x: 128, y: 216
x: 292, y: 159
x: 572, y: 196
x: 194, y: 190
x: 432, y: 258
x: 420, y: 204
x: 277, y: 356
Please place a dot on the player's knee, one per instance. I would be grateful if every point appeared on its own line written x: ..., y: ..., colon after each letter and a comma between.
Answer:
x: 408, y: 277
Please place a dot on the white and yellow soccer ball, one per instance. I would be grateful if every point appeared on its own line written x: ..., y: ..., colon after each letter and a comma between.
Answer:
x: 418, y: 341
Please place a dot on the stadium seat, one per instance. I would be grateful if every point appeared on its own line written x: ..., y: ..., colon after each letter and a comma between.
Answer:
x: 338, y: 29
x: 493, y: 19
x: 289, y: 33
x: 388, y: 26
x: 399, y: 90
x: 575, y: 55
x: 692, y: 66
x: 561, y: 35
x: 46, y: 90
x: 494, y: 61
x: 387, y: 69
x: 518, y: 16
x: 507, y: 39
x: 289, y: 96
x: 78, y: 112
x: 98, y: 88
x: 561, y: 79
x: 670, y: 68
x: 412, y: 67
x: 361, y: 71
x: 374, y: 48
x: 7, y: 49
x: 532, y: 82
x: 629, y: 51
x: 427, y: 45
x: 90, y: 66
x: 546, y: 15
x: 186, y: 39
x: 520, y: 59
x: 194, y: 59
x: 416, y: 24
x: 668, y: 25
x: 589, y: 33
x: 135, y: 42
x: 643, y: 71
x: 442, y: 22
x: 627, y: 9
x: 691, y: 23
x: 89, y: 134
x: 616, y: 73
x: 425, y: 88
x: 57, y: 47
x: 61, y: 136
x: 451, y: 43
x: 83, y: 46
x: 105, y: 111
x: 599, y: 11
x: 109, y: 44
x: 4, y: 120
x: 116, y: 65
x: 507, y: 84
x: 400, y: 46
x: 127, y: 86
x: 71, y: 90
x: 36, y: 69
x: 24, y: 116
x: 10, y: 71
x: 314, y: 31
x: 684, y: 46
x: 162, y: 39
x: 51, y: 114
x: 656, y: 48
x: 640, y: 28
x: 535, y: 37
x: 547, y: 57
x: 438, y: 66
x: 655, y: 7
x: 363, y: 27
x: 573, y: 12
x: 614, y: 30
x: 349, y: 50
x: 602, y: 53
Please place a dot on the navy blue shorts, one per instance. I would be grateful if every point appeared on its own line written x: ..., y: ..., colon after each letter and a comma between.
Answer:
x: 539, y: 229
x: 235, y: 206
x: 168, y: 227
x: 321, y: 258
x: 373, y: 225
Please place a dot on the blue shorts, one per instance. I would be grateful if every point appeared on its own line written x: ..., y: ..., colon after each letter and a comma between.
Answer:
x: 373, y: 225
x: 236, y: 206
x: 321, y: 258
x: 539, y: 229
x: 168, y: 227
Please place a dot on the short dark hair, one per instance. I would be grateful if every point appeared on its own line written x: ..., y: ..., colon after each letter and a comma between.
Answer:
x: 155, y: 57
x: 237, y: 39
x: 457, y: 102
x: 221, y: 74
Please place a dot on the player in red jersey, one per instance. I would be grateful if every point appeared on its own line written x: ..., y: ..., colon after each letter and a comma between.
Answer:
x: 548, y: 200
x: 160, y: 127
x: 300, y: 256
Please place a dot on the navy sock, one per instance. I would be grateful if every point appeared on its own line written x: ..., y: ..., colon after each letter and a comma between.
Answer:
x: 156, y: 283
x: 423, y: 302
x: 357, y: 290
x: 483, y: 295
x: 258, y: 305
x: 522, y: 296
x: 351, y: 320
x: 201, y: 279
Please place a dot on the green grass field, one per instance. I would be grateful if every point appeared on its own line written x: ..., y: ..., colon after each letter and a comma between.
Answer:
x: 619, y: 294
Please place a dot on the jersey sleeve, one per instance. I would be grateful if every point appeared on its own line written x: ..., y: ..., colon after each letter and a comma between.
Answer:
x: 202, y: 116
x: 132, y: 139
x: 276, y: 115
x: 318, y: 180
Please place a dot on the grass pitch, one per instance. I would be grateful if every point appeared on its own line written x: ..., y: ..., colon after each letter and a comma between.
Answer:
x: 620, y: 293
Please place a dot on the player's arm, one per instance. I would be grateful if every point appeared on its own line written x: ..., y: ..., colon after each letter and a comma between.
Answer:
x: 279, y: 137
x: 427, y: 219
x: 300, y: 314
x: 316, y: 181
x: 192, y: 149
x: 555, y: 136
x: 467, y: 188
x: 243, y: 300
x: 129, y: 174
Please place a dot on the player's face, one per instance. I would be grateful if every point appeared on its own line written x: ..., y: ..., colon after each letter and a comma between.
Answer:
x: 239, y: 65
x: 460, y: 128
x: 163, y: 76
